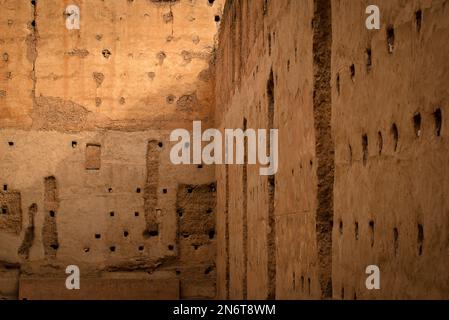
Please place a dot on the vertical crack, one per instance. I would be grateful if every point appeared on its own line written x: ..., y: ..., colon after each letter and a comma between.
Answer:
x: 322, y: 109
x: 245, y: 215
x: 271, y: 187
x: 31, y: 41
x: 28, y: 239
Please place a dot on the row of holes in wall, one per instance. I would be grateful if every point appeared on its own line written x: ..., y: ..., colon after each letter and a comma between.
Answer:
x: 126, y: 233
x: 207, y: 271
x: 390, y: 40
x: 394, y: 131
x: 302, y: 284
x: 210, y: 233
x: 75, y: 144
x: 395, y: 234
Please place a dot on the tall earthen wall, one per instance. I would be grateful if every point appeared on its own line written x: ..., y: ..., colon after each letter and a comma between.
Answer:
x: 85, y: 118
x: 362, y: 179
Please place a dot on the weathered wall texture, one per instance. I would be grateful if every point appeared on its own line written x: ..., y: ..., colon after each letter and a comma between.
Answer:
x: 390, y: 131
x: 265, y: 78
x: 362, y: 153
x: 85, y: 118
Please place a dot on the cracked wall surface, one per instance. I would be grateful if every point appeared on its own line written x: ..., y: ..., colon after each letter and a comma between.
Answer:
x: 85, y: 119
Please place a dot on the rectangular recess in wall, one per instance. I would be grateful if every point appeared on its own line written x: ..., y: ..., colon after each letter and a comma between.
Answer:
x: 93, y: 156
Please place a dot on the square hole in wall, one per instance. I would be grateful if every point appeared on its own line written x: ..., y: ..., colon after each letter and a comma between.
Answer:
x: 93, y: 156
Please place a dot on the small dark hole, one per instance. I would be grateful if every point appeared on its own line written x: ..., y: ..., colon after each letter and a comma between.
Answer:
x: 178, y: 272
x: 350, y: 153
x: 141, y: 248
x: 396, y: 240
x: 111, y: 213
x: 371, y: 226
x: 338, y: 83
x: 180, y: 212
x: 112, y: 248
x: 164, y: 191
x: 365, y: 149
x: 160, y: 144
x: 170, y: 247
x: 418, y: 17
x: 86, y: 250
x: 189, y: 190
x: 369, y: 60
x: 136, y: 214
x: 356, y: 231
x: 209, y: 211
x: 97, y: 236
x: 138, y: 190
x: 5, y: 187
x: 11, y: 144
x: 125, y: 234
x: 417, y: 124
x: 352, y: 70
x: 195, y: 246
x: 211, y: 2
x: 55, y: 246
x: 390, y: 39
x: 150, y: 233
x: 395, y: 133
x: 110, y: 190
x: 380, y: 142
x: 420, y: 239
x: 438, y: 121
x: 4, y: 210
x: 33, y: 23
x: 211, y: 234
x: 208, y: 270
x: 106, y: 53
x: 217, y: 18
x: 200, y: 166
x: 52, y: 214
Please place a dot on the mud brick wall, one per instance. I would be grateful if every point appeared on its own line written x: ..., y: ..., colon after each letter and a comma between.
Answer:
x: 268, y: 244
x: 389, y: 120
x: 195, y: 207
x: 362, y: 174
x: 85, y: 119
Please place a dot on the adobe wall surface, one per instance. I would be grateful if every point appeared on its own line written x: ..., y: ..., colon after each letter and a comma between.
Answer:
x: 267, y: 245
x: 85, y: 118
x: 362, y: 152
x: 390, y: 129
